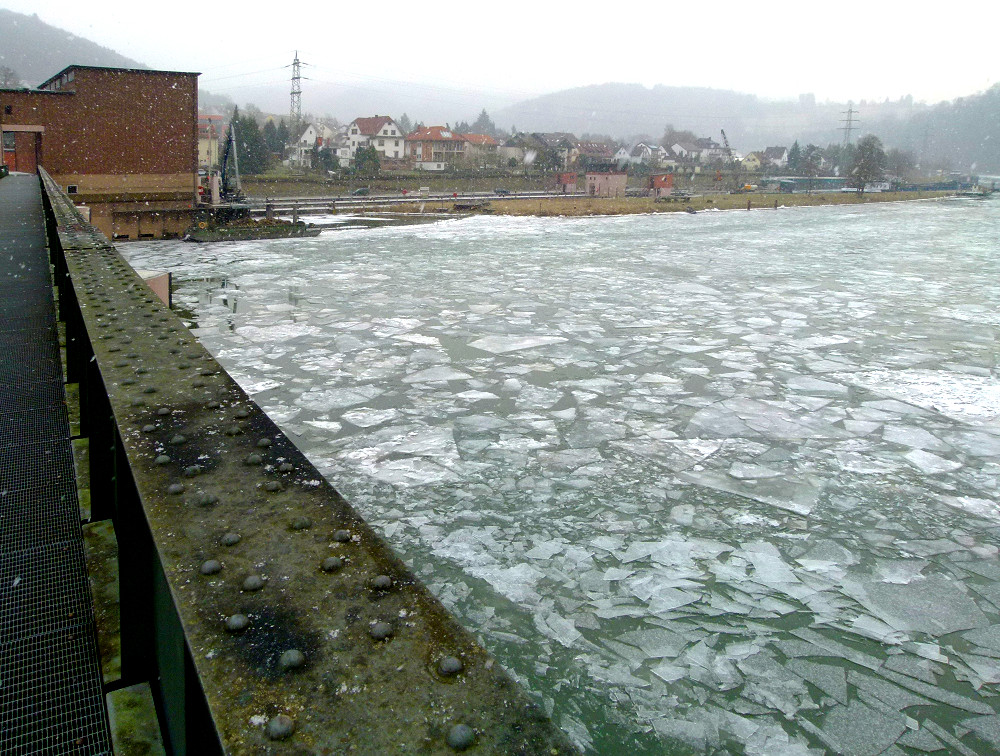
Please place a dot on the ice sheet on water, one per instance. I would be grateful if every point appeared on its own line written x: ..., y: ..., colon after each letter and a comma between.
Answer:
x: 330, y: 426
x: 961, y: 396
x: 986, y: 728
x: 931, y: 464
x: 868, y: 462
x: 556, y: 627
x: 798, y: 496
x: 829, y: 678
x: 276, y: 333
x: 369, y: 418
x: 323, y: 400
x: 436, y: 375
x: 506, y: 344
x: 675, y: 454
x: 809, y: 385
x: 987, y: 638
x: 935, y: 604
x: 860, y: 730
x: 743, y: 471
x: 411, y: 472
x: 988, y: 509
x: 914, y: 437
x: 256, y: 385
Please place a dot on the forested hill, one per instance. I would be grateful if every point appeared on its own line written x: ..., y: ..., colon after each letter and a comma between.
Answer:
x: 961, y: 135
x: 949, y: 135
x: 35, y: 50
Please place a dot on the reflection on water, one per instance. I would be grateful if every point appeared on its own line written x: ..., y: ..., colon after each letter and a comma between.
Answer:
x: 724, y: 482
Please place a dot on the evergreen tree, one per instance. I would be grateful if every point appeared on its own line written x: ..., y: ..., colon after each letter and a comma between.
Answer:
x: 810, y: 161
x: 405, y: 125
x: 366, y: 161
x: 270, y: 134
x: 794, y: 155
x: 484, y: 125
x: 250, y: 146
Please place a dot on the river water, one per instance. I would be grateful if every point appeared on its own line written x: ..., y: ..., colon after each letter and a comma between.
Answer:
x: 724, y: 482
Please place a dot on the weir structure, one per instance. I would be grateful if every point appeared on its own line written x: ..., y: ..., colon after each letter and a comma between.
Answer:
x: 266, y: 615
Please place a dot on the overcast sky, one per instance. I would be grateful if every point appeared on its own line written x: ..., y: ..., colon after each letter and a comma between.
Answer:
x: 772, y: 48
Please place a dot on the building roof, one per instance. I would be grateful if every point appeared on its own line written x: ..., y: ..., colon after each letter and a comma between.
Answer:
x: 77, y: 67
x: 435, y: 134
x: 775, y: 153
x: 483, y: 140
x: 560, y: 139
x: 596, y: 149
x: 371, y: 126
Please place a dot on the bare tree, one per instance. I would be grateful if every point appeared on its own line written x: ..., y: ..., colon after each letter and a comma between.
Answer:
x: 9, y: 78
x: 869, y: 163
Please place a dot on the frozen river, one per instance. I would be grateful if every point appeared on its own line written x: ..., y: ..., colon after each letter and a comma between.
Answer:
x: 724, y: 482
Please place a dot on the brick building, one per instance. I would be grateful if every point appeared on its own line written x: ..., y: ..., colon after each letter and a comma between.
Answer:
x: 122, y: 141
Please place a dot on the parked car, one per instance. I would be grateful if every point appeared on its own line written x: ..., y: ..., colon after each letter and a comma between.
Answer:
x: 360, y: 191
x: 502, y: 192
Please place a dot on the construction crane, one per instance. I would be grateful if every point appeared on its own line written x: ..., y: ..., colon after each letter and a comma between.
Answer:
x: 733, y: 165
x: 229, y: 184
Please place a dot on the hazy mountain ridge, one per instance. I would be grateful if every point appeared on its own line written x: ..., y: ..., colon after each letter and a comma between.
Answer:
x: 952, y: 135
x: 628, y: 109
x: 37, y: 50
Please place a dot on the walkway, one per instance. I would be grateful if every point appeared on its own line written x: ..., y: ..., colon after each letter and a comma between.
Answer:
x: 51, y: 697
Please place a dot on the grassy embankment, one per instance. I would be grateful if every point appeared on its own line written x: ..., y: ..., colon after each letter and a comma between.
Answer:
x: 308, y: 186
x: 630, y: 205
x: 583, y: 206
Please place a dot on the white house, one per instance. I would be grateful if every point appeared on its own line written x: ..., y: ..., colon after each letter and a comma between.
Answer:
x: 314, y: 136
x: 380, y: 132
x: 776, y: 156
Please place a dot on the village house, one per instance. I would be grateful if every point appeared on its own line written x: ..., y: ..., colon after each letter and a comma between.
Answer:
x: 776, y: 156
x: 561, y: 144
x: 380, y: 132
x: 314, y: 137
x: 606, y: 184
x: 435, y: 148
x: 661, y: 184
x: 753, y: 161
x: 520, y: 149
x: 566, y: 183
x: 211, y: 132
x: 591, y: 154
x: 480, y: 149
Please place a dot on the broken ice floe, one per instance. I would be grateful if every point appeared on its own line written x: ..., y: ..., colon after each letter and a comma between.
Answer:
x: 735, y: 488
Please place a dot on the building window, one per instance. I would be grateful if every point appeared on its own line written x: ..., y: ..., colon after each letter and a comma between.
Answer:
x: 396, y: 144
x: 395, y: 153
x: 8, y: 140
x: 381, y: 143
x: 8, y: 109
x: 72, y: 189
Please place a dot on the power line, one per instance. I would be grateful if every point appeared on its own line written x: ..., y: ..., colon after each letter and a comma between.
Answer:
x: 849, y: 121
x: 295, y: 111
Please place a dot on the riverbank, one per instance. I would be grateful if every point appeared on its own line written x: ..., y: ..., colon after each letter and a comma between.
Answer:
x: 589, y: 206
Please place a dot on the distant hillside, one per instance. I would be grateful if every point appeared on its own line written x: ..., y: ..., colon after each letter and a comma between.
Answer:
x: 952, y: 135
x: 37, y: 50
x: 624, y: 110
x: 961, y: 135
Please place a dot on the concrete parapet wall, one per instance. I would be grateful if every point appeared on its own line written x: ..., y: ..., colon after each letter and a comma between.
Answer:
x: 275, y: 619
